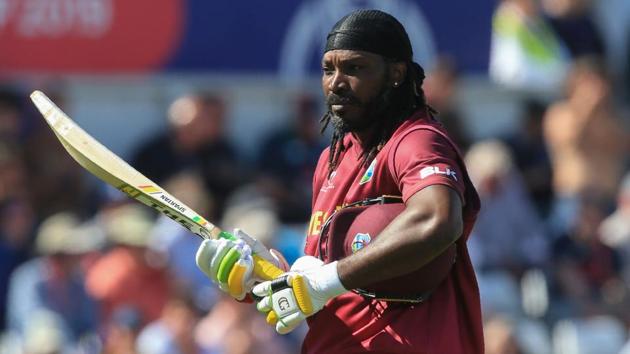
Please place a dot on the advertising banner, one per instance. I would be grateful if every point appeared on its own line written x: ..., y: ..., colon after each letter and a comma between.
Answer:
x: 279, y: 36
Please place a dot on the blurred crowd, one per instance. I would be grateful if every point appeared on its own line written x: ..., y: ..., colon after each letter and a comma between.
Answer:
x: 85, y: 270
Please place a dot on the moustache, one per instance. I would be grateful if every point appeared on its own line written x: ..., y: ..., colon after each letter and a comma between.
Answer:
x: 334, y: 99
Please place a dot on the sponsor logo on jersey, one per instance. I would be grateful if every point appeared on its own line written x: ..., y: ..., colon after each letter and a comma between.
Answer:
x: 329, y: 183
x: 435, y: 170
x: 360, y: 240
x: 369, y: 173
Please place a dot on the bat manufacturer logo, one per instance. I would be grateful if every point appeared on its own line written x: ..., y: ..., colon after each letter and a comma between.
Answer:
x: 136, y: 194
x: 173, y: 203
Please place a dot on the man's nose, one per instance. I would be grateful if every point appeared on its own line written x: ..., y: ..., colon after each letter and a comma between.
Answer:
x: 338, y: 82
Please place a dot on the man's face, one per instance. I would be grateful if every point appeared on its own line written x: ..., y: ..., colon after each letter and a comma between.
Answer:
x: 353, y: 83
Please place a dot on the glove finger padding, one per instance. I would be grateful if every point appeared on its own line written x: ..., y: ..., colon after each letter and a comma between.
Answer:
x: 203, y: 258
x: 264, y: 304
x: 282, y: 307
x: 287, y: 324
x: 223, y: 246
x: 240, y: 280
x: 227, y: 263
x: 272, y: 318
x: 302, y: 293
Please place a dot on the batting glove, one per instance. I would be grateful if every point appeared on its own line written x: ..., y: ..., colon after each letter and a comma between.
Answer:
x: 288, y: 300
x: 230, y: 265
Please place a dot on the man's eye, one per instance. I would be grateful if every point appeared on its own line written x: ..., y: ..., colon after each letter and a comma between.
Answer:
x: 327, y: 71
x: 352, y: 69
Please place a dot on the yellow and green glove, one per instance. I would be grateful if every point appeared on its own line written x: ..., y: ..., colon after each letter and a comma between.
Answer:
x: 229, y: 262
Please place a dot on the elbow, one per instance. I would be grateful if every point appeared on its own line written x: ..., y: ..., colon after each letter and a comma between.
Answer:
x: 438, y: 216
x: 443, y: 230
x: 449, y: 229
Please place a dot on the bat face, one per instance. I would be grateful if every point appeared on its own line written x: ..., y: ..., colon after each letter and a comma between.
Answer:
x: 110, y: 168
x: 107, y: 166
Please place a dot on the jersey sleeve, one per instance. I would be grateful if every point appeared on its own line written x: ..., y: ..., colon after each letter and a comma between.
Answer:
x: 422, y: 158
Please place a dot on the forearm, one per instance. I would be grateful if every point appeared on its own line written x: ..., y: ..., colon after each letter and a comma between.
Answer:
x: 412, y: 240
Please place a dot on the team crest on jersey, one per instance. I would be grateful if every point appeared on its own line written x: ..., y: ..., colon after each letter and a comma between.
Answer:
x: 360, y: 240
x: 369, y: 173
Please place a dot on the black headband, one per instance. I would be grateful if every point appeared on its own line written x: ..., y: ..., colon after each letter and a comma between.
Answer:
x: 372, y: 31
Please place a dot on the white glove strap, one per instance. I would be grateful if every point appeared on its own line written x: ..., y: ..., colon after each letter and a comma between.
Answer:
x: 325, y: 279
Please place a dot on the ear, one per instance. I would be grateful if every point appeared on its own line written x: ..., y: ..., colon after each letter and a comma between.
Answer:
x: 397, y: 73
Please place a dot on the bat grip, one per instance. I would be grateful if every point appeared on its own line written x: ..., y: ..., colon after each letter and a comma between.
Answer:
x: 265, y: 269
x: 262, y: 267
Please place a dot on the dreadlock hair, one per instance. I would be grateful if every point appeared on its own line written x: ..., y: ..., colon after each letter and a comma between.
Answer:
x: 396, y: 106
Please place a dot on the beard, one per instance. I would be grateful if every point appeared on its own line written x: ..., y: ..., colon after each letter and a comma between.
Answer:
x: 373, y: 111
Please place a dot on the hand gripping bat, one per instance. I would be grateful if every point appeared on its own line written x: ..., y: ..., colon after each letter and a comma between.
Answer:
x: 107, y: 166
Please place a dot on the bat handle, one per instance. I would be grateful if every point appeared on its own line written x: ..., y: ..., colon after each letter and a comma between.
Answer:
x: 262, y: 267
x: 265, y: 269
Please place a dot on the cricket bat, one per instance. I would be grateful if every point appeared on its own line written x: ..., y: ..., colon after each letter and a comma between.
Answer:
x: 110, y: 168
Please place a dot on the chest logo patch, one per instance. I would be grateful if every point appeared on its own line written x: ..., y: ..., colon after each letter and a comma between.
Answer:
x: 368, y: 173
x: 360, y: 240
x: 328, y: 185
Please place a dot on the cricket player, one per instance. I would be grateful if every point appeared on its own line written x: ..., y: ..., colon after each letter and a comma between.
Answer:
x: 385, y: 141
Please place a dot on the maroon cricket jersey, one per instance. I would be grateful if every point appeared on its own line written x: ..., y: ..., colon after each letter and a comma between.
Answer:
x: 419, y: 154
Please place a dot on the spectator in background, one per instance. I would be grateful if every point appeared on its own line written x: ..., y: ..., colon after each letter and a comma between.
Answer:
x: 500, y: 337
x: 231, y: 328
x: 169, y: 239
x: 587, y: 142
x: 615, y: 229
x: 13, y: 174
x: 122, y: 332
x: 195, y: 139
x: 585, y: 271
x: 17, y: 219
x: 531, y: 156
x: 509, y: 234
x: 44, y: 334
x: 54, y: 282
x: 573, y: 23
x: 174, y: 331
x: 51, y: 170
x: 287, y: 161
x: 126, y: 275
x: 440, y: 88
x: 10, y: 116
x: 526, y: 53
